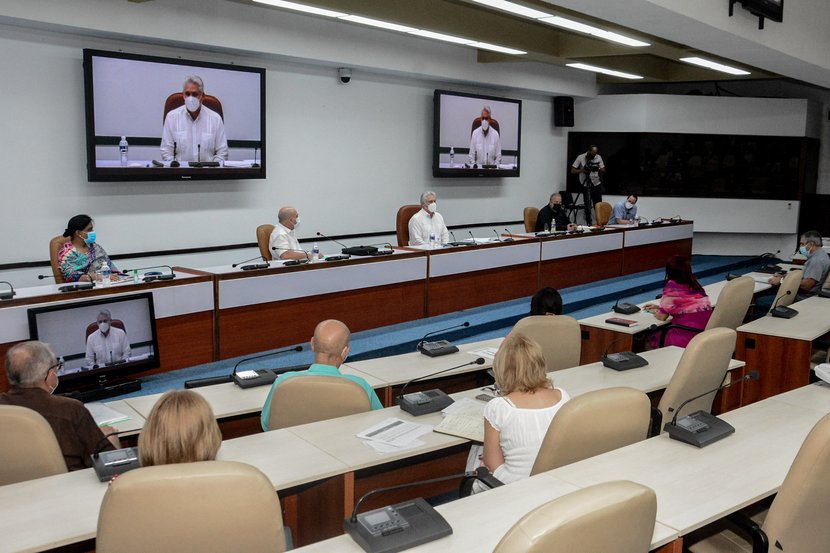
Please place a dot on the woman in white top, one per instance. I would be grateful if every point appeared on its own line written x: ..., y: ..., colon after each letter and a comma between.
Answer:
x: 515, y: 423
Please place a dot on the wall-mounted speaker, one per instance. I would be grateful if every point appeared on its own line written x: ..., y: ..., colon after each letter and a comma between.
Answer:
x: 563, y: 111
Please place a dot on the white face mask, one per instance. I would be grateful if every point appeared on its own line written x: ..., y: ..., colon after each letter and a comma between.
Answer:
x: 485, y: 124
x: 628, y: 205
x: 432, y: 208
x: 191, y: 103
x: 104, y: 327
x: 297, y: 223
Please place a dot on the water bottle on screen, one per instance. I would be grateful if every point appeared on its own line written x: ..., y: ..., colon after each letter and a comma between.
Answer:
x: 315, y: 252
x: 452, y: 156
x: 105, y: 274
x: 431, y: 240
x: 122, y: 148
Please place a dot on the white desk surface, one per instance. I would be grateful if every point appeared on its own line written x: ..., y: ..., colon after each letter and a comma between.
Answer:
x: 812, y: 321
x: 131, y: 425
x: 400, y: 369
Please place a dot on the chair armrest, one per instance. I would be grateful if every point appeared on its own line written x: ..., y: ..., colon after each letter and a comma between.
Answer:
x: 656, y: 422
x: 760, y: 542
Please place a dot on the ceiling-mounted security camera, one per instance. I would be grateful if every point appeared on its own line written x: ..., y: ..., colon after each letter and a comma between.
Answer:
x: 345, y: 74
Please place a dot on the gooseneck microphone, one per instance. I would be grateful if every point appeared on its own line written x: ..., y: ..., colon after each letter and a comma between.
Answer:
x: 263, y: 355
x: 349, y: 250
x: 263, y: 265
x: 498, y: 238
x: 783, y: 312
x: 430, y: 401
x: 441, y: 347
x: 321, y: 235
x: 627, y: 308
x: 473, y: 238
x: 174, y: 163
x: 623, y: 360
x: 8, y: 294
x: 262, y: 375
x: 509, y: 238
x: 255, y: 164
x: 75, y: 286
x: 150, y: 278
x: 752, y: 375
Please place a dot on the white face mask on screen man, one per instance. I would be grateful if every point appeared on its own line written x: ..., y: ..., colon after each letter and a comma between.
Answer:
x: 192, y: 103
x: 433, y: 207
x: 485, y: 125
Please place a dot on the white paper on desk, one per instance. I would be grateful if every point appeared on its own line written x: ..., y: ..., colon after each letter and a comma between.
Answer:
x: 105, y: 415
x: 395, y: 432
x: 489, y: 353
x: 383, y: 447
x: 466, y: 406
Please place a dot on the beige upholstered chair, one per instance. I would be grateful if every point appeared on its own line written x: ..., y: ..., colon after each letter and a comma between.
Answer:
x: 405, y: 213
x: 191, y: 507
x: 702, y: 367
x: 55, y: 245
x: 603, y: 211
x: 788, y: 289
x: 530, y: 215
x: 558, y: 335
x: 613, y: 517
x: 29, y: 448
x: 594, y: 423
x: 263, y: 240
x: 797, y: 519
x: 304, y: 399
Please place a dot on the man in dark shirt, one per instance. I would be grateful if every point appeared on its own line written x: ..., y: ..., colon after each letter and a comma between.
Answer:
x: 32, y: 371
x: 553, y: 216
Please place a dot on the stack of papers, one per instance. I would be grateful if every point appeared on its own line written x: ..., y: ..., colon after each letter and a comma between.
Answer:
x: 105, y: 415
x: 392, y: 435
x: 465, y: 419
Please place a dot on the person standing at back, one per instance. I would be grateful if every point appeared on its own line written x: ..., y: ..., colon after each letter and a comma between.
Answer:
x: 590, y: 168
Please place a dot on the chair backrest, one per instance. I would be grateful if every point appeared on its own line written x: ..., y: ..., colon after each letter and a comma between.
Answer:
x: 304, y: 399
x: 603, y: 210
x: 530, y: 215
x: 613, y: 517
x: 29, y: 448
x: 733, y: 303
x: 176, y: 100
x: 788, y: 289
x: 263, y: 240
x: 558, y: 335
x: 55, y: 245
x: 117, y: 323
x: 405, y: 213
x: 702, y: 367
x: 797, y: 517
x: 594, y: 423
x: 477, y: 124
x: 206, y: 506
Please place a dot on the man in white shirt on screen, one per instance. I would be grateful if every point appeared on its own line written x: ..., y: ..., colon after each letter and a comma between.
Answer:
x: 197, y: 130
x: 428, y: 222
x: 282, y: 243
x: 485, y: 143
x: 108, y: 344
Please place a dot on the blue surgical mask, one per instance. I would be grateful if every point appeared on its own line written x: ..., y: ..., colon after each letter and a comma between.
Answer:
x: 803, y: 251
x: 90, y: 238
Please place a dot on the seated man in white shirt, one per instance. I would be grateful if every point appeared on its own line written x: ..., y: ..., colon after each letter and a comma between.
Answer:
x: 108, y: 344
x: 197, y: 130
x: 427, y: 222
x: 283, y: 244
x: 485, y: 143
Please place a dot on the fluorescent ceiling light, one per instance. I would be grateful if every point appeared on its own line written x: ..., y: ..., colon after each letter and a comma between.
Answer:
x: 512, y: 7
x: 591, y: 30
x: 440, y: 36
x: 496, y: 48
x: 596, y: 69
x: 716, y: 66
x: 377, y: 23
x: 300, y: 8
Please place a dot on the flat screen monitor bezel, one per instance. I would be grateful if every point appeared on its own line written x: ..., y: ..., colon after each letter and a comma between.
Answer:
x: 165, y: 174
x: 113, y: 370
x: 439, y: 172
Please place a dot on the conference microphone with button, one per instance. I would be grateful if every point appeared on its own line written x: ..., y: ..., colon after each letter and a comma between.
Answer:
x: 440, y: 347
x: 75, y: 286
x: 701, y: 428
x: 472, y: 238
x: 232, y: 377
x: 291, y: 262
x: 109, y: 464
x: 781, y: 311
x: 8, y: 294
x: 509, y: 238
x: 150, y: 277
x: 627, y: 308
x: 430, y: 401
x: 259, y: 377
x: 263, y: 265
x: 455, y: 242
x: 623, y: 360
x: 350, y: 250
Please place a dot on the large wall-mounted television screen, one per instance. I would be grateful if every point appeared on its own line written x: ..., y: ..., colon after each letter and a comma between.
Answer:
x: 180, y: 120
x: 476, y: 136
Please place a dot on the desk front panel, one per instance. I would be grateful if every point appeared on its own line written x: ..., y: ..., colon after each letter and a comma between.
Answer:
x: 574, y: 260
x: 649, y: 247
x: 783, y: 364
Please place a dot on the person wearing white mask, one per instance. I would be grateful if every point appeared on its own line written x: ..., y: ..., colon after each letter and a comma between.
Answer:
x: 108, y: 344
x: 816, y: 268
x: 625, y: 211
x: 283, y: 243
x: 485, y: 143
x: 197, y: 130
x: 428, y: 222
x: 32, y: 371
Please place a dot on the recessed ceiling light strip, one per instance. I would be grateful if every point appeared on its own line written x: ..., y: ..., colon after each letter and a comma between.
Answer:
x: 715, y: 65
x: 604, y: 71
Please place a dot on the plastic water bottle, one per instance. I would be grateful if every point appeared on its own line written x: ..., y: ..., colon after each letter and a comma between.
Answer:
x: 431, y: 240
x: 123, y: 147
x: 105, y: 274
x: 315, y: 252
x: 452, y: 157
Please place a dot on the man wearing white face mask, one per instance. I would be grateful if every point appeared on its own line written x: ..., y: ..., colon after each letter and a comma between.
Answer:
x: 485, y: 143
x: 106, y: 345
x: 427, y: 222
x: 283, y: 243
x: 625, y: 211
x: 197, y: 130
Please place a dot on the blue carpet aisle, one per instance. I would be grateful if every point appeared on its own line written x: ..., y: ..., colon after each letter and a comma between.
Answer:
x: 490, y: 321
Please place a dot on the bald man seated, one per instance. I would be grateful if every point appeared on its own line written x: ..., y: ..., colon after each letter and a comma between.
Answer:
x: 282, y: 242
x: 32, y: 371
x: 330, y: 345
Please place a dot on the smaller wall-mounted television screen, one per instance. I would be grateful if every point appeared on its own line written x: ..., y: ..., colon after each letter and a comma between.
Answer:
x: 771, y: 9
x: 99, y: 339
x: 151, y: 118
x: 476, y: 136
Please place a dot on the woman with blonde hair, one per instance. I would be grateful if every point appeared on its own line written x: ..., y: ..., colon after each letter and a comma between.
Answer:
x: 181, y: 428
x: 516, y: 422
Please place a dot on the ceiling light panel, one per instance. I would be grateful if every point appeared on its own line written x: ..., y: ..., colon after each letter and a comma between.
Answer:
x: 300, y: 8
x: 604, y: 71
x: 715, y: 65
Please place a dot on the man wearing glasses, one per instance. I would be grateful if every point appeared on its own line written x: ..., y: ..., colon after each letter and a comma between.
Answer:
x: 32, y: 371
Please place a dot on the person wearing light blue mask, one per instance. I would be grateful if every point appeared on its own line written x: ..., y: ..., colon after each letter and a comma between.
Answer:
x: 81, y: 257
x: 625, y: 212
x: 816, y: 268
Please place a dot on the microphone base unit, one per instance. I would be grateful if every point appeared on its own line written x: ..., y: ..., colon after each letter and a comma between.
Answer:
x: 699, y: 429
x: 77, y: 287
x: 254, y: 267
x: 263, y: 377
x: 359, y: 250
x: 623, y: 361
x: 438, y: 348
x: 625, y: 308
x: 382, y: 252
x: 397, y: 527
x: 203, y: 164
x: 424, y: 403
x: 336, y: 258
x: 7, y: 295
x: 151, y: 278
x: 210, y: 381
x: 783, y: 313
x: 108, y: 464
x: 824, y: 294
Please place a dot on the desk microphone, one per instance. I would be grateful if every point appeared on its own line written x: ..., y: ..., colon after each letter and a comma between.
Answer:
x: 430, y: 401
x: 174, y: 163
x: 455, y: 241
x: 109, y: 464
x: 627, y: 308
x: 623, y: 360
x: 498, y: 238
x: 263, y: 265
x: 212, y: 380
x: 441, y: 347
x: 509, y: 238
x: 255, y: 164
x: 263, y: 376
x: 151, y: 278
x: 8, y: 294
x: 782, y: 312
x: 701, y: 428
x: 291, y: 262
x: 75, y: 286
x: 473, y: 238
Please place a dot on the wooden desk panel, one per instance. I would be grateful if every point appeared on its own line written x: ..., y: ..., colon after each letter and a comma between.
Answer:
x: 573, y: 271
x: 596, y: 342
x: 653, y: 256
x: 783, y: 363
x: 467, y: 290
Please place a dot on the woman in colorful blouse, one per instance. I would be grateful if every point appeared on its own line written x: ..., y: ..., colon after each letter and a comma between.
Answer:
x: 684, y: 300
x: 81, y: 258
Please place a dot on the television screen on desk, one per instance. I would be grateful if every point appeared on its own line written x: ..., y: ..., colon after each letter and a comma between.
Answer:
x: 464, y: 147
x: 99, y: 340
x: 142, y: 99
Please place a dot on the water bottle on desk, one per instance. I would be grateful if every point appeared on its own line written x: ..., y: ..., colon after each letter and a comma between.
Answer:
x: 122, y: 148
x: 452, y: 157
x: 315, y: 253
x: 105, y: 274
